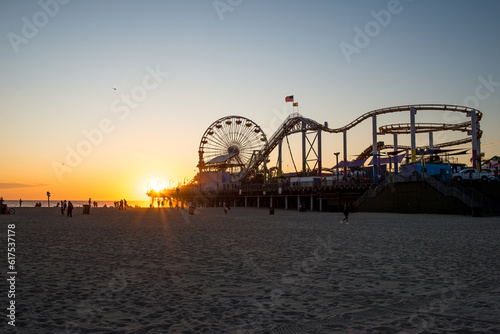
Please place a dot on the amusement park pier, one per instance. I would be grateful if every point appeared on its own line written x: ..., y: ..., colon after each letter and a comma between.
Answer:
x: 234, y: 167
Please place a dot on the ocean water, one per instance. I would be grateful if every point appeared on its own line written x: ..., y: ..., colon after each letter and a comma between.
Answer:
x: 76, y: 203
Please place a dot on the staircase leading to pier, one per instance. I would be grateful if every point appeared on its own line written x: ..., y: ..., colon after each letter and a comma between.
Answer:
x: 468, y: 197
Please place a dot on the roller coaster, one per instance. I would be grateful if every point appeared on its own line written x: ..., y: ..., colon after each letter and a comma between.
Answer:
x: 238, y: 146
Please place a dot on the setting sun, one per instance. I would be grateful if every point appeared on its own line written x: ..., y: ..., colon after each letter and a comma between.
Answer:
x: 156, y: 185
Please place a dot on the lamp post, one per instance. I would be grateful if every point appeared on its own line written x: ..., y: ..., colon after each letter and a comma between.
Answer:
x: 338, y: 188
x: 337, y: 157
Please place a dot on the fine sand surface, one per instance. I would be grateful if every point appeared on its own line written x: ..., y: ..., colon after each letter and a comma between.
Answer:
x: 164, y: 271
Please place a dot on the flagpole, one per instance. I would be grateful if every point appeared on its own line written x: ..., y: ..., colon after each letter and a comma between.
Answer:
x: 290, y: 98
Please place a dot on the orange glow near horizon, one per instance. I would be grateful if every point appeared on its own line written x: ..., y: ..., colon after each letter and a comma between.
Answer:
x: 81, y: 185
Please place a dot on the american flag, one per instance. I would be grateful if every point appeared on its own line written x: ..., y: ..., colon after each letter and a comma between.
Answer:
x: 289, y: 98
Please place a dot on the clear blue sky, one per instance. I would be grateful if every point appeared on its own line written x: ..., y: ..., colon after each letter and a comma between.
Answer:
x: 222, y: 58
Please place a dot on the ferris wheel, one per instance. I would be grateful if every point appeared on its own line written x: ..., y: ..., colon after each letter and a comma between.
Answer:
x: 230, y: 142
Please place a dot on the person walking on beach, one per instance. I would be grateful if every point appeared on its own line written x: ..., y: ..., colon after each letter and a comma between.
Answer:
x: 347, y: 208
x: 63, y: 207
x: 20, y: 202
x: 70, y: 209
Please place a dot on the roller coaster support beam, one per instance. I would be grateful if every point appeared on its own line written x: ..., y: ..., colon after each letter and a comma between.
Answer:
x: 304, y: 156
x: 345, y: 149
x: 280, y: 160
x: 375, y: 166
x: 479, y: 151
x: 413, y: 141
x: 265, y: 170
x: 319, y: 153
x: 431, y: 142
x: 474, y: 138
x: 395, y: 136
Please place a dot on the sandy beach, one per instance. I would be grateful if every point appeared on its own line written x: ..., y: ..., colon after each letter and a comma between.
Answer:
x: 164, y: 271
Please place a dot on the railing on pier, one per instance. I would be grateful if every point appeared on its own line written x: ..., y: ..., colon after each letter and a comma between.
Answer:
x: 305, y: 185
x: 469, y: 196
x: 371, y: 193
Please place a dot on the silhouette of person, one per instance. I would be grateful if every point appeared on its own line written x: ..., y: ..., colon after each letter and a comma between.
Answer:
x: 20, y: 202
x: 70, y: 209
x: 347, y: 209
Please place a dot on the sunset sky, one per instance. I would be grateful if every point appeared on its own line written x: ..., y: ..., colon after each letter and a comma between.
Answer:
x: 133, y: 85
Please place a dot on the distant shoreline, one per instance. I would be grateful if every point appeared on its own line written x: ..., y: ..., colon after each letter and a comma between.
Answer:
x: 77, y: 203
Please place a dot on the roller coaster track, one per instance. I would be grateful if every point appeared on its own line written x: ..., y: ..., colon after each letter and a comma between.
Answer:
x: 381, y: 146
x: 295, y: 123
x: 369, y: 150
x: 425, y: 127
x: 428, y: 127
x: 437, y: 107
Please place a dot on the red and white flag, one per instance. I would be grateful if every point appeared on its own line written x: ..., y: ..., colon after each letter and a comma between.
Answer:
x: 289, y: 98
